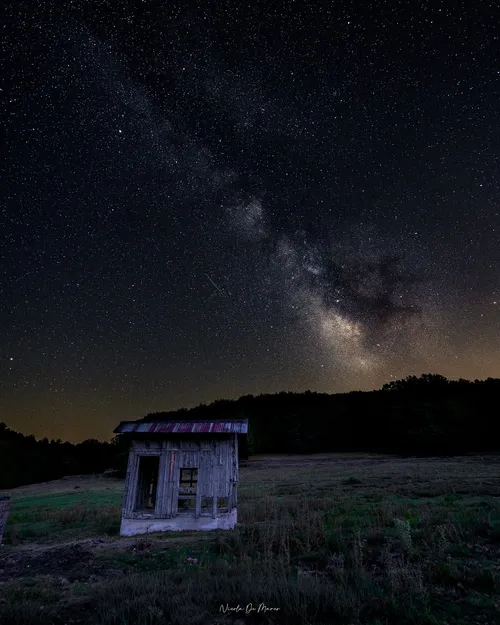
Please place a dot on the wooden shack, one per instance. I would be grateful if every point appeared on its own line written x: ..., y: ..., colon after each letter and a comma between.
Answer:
x: 181, y: 475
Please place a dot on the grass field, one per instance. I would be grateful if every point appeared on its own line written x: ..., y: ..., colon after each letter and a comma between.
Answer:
x: 345, y: 539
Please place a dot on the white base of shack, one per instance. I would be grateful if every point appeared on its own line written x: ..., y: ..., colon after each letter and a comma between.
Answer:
x: 181, y: 523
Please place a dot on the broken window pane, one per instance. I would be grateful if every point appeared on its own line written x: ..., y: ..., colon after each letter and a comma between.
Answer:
x: 189, y: 478
x: 206, y: 505
x: 222, y: 504
x: 186, y: 504
x: 188, y: 482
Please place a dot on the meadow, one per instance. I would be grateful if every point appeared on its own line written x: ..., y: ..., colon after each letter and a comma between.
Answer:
x: 324, y: 539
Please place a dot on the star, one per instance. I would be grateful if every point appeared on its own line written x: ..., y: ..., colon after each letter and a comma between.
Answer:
x: 342, y: 191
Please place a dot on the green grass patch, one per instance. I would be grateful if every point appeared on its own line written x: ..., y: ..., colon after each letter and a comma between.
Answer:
x: 63, y: 515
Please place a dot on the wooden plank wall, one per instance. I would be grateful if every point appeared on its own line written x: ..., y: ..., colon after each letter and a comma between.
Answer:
x: 130, y: 484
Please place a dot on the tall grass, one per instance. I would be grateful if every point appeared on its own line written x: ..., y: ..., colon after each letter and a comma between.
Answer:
x: 338, y: 544
x: 316, y: 567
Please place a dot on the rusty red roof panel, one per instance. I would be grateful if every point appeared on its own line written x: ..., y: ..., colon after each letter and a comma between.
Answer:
x: 239, y: 426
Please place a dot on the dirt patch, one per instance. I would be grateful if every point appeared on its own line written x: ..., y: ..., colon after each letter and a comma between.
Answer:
x: 88, y: 543
x: 71, y: 562
x: 79, y: 561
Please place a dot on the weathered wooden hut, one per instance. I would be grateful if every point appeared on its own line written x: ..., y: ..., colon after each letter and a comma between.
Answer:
x: 181, y: 475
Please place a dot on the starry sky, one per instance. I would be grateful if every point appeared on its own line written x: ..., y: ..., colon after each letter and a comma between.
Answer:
x: 206, y: 200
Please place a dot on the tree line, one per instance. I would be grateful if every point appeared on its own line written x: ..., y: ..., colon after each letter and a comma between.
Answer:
x: 26, y: 460
x: 426, y: 415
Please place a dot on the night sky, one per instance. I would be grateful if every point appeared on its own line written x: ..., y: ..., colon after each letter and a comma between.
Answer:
x: 207, y: 201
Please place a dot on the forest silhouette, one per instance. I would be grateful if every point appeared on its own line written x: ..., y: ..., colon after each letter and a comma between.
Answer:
x: 416, y: 416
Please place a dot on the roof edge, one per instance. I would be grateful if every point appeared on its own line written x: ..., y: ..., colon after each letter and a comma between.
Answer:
x: 182, y: 426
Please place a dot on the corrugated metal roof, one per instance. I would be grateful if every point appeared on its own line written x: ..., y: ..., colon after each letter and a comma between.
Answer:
x: 229, y: 426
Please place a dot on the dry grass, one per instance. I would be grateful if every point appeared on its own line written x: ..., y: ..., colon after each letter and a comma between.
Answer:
x: 324, y: 539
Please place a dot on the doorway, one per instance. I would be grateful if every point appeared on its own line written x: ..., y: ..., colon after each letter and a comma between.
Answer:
x: 147, y: 483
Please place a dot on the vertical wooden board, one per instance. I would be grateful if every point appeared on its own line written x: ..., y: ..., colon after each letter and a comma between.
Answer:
x: 230, y: 498
x: 233, y: 460
x: 127, y: 491
x: 162, y: 487
x: 236, y: 458
x: 228, y: 462
x: 212, y: 487
x: 207, y: 489
x: 199, y: 464
x: 219, y: 471
x: 167, y: 495
x: 214, y: 503
x: 126, y: 486
x: 222, y: 472
x: 224, y: 468
x: 203, y: 474
x: 133, y: 479
x: 208, y: 477
x: 198, y: 502
x: 213, y: 470
x: 227, y: 466
x: 175, y: 483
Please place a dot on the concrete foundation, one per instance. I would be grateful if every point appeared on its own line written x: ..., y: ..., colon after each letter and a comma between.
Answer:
x: 225, y: 521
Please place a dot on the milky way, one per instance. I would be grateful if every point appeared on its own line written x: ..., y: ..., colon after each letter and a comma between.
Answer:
x: 207, y: 202
x: 360, y: 303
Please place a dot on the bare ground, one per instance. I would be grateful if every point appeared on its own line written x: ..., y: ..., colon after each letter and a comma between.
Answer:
x: 78, y: 560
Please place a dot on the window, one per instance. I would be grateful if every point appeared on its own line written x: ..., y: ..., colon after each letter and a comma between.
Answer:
x: 222, y: 504
x: 206, y: 505
x: 188, y: 479
x: 186, y: 504
x: 188, y: 483
x: 147, y: 482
